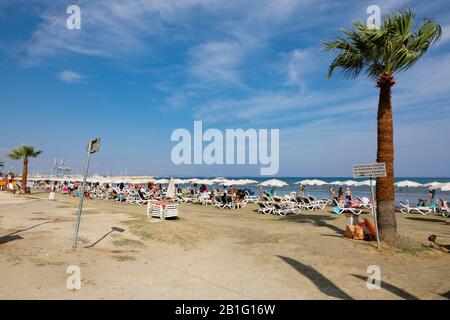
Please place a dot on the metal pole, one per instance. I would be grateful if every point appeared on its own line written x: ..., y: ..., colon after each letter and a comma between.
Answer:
x: 83, y: 188
x: 374, y: 214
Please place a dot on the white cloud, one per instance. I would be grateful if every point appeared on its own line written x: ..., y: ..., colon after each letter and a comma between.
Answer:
x: 216, y: 62
x: 70, y: 76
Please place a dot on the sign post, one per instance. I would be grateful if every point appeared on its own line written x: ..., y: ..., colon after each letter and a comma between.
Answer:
x: 93, y: 146
x: 371, y: 171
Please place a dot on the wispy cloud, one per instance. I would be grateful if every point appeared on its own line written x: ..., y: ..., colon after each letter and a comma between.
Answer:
x: 70, y: 76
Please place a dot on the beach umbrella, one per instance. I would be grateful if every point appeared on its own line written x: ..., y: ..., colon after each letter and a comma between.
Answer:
x: 407, y: 184
x: 366, y: 183
x: 180, y: 181
x: 230, y: 182
x: 171, y: 189
x: 304, y: 182
x: 336, y: 183
x: 161, y: 181
x: 445, y: 186
x: 273, y: 183
x: 248, y: 181
x: 434, y: 184
x: 349, y: 183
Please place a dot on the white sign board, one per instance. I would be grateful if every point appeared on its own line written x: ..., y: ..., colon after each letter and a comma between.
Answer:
x: 372, y: 170
x: 94, y: 145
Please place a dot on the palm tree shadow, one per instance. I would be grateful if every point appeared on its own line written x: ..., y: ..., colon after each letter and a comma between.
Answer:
x: 318, y: 220
x: 8, y: 238
x: 105, y: 235
x: 320, y: 281
x: 392, y: 289
x: 13, y: 235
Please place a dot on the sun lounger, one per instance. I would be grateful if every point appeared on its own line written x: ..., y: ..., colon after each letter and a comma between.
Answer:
x: 405, y: 208
x: 265, y: 208
x: 446, y: 210
x: 339, y: 210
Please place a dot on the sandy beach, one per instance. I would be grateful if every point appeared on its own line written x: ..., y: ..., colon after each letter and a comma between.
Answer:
x: 207, y: 254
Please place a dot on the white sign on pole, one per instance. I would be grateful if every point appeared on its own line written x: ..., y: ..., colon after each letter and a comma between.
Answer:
x: 94, y: 145
x: 372, y: 170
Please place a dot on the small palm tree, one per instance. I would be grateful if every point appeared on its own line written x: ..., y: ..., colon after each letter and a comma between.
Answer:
x: 24, y: 152
x: 381, y: 53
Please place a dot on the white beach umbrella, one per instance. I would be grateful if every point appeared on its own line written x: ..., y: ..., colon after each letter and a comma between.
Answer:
x: 349, y: 183
x: 316, y: 182
x: 407, y: 184
x: 336, y: 183
x: 161, y: 181
x: 171, y: 189
x: 445, y: 186
x: 273, y: 183
x: 248, y: 181
x: 180, y: 181
x: 230, y: 182
x: 433, y: 184
x: 366, y: 183
x: 304, y: 182
x: 206, y: 182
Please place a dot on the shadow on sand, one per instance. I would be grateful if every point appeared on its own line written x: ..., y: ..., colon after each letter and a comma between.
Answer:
x: 320, y: 281
x: 13, y: 235
x: 117, y: 229
x: 427, y: 219
x: 318, y: 220
x: 391, y: 288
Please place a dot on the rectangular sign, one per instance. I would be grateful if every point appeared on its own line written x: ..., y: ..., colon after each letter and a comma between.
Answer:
x: 372, y: 170
x: 94, y: 145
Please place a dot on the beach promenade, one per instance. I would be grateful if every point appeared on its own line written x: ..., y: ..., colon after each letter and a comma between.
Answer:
x: 206, y: 254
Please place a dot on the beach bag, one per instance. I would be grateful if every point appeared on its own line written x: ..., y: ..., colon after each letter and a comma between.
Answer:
x: 349, y: 231
x: 359, y: 233
x: 370, y: 227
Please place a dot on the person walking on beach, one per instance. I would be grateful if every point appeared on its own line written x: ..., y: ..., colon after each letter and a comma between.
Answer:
x: 340, y: 194
x: 432, y: 193
x: 302, y: 190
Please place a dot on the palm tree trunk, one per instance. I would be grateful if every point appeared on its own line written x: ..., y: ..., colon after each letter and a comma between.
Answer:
x: 385, y: 193
x: 24, y: 174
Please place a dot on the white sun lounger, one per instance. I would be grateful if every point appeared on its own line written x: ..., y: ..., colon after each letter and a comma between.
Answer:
x: 341, y: 210
x: 405, y: 208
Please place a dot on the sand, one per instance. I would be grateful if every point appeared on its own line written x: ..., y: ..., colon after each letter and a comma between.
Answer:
x: 207, y: 254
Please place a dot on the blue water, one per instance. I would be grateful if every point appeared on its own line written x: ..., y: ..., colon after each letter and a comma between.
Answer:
x: 401, y: 194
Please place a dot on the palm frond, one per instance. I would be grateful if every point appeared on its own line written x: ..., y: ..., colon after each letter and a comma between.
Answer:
x: 396, y: 46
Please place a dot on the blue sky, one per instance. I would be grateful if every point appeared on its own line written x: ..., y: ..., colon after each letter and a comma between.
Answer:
x: 137, y: 70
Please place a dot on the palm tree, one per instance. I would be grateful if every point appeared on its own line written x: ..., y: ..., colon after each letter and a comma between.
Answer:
x: 24, y: 152
x: 380, y: 53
